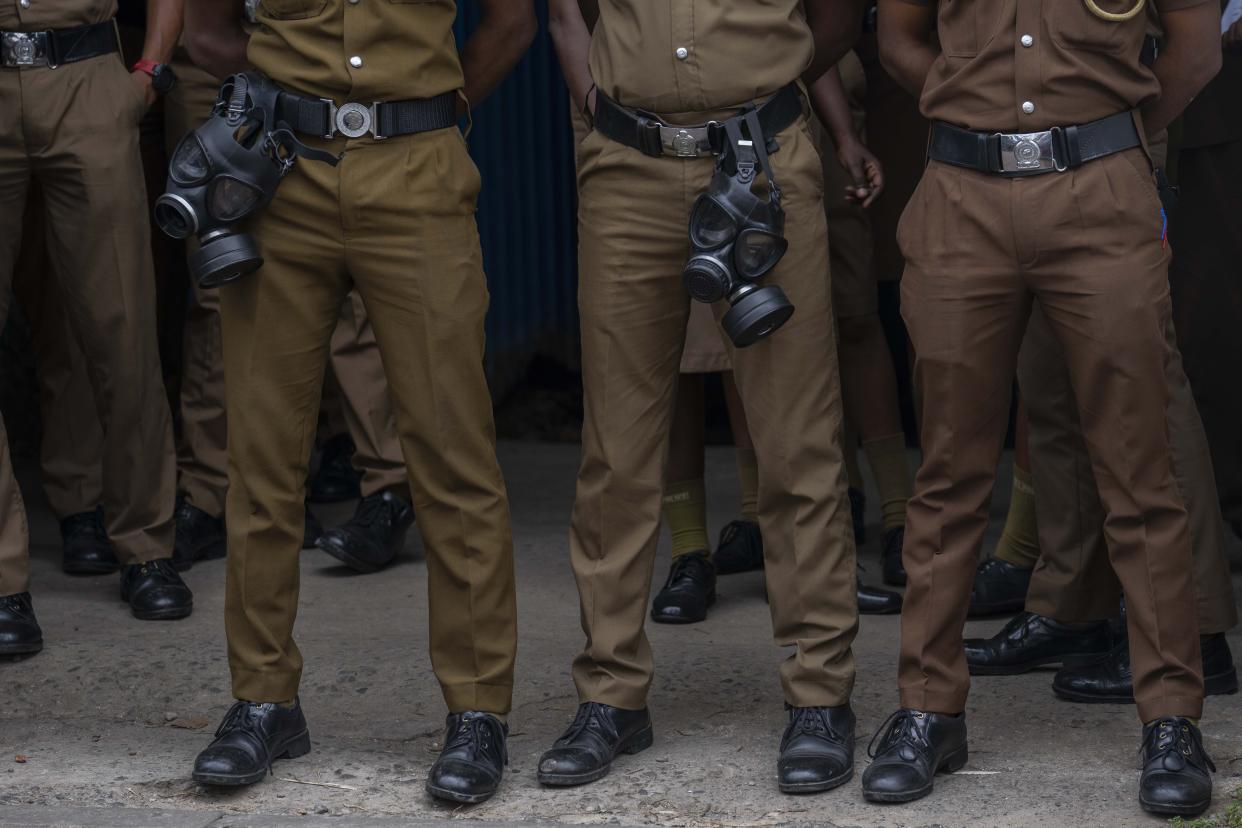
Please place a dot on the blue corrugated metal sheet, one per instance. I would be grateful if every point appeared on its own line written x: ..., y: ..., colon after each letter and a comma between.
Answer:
x: 523, y: 145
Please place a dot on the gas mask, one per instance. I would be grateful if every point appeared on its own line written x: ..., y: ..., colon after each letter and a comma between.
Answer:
x: 226, y: 170
x: 738, y: 237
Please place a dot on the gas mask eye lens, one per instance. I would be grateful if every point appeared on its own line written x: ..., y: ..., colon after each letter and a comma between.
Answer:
x: 229, y: 199
x: 189, y: 163
x: 711, y: 226
x: 757, y: 252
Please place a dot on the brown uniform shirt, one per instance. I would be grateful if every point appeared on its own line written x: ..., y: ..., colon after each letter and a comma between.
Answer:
x: 676, y: 56
x: 53, y: 14
x: 376, y: 50
x: 1076, y: 68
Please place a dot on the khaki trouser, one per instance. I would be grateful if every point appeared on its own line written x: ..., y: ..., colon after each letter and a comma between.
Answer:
x: 74, y: 130
x: 395, y: 220
x: 633, y: 245
x: 1085, y: 245
x: 1073, y: 580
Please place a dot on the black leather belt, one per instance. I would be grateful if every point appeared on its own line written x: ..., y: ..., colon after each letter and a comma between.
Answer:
x: 56, y: 47
x: 651, y: 136
x: 1033, y: 153
x: 383, y: 119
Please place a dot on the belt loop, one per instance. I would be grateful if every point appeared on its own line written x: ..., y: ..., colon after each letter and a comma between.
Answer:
x: 1073, y: 152
x: 1060, y: 149
x: 649, y: 137
x: 51, y: 50
x: 992, y: 153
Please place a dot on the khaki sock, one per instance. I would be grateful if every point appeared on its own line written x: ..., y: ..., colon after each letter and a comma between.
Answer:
x: 1019, y: 543
x: 849, y: 444
x: 748, y: 480
x: 887, y: 456
x: 685, y: 511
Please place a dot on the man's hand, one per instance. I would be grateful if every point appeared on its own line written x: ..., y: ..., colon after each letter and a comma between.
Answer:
x: 864, y: 169
x: 145, y: 87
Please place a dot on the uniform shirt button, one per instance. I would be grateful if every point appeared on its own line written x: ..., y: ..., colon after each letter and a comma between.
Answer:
x: 1027, y: 40
x: 1028, y: 107
x: 25, y: 4
x: 682, y: 53
x: 353, y: 2
x: 355, y: 62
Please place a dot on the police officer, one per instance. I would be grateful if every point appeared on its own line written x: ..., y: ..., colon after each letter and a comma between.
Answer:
x: 1039, y: 191
x: 690, y: 63
x: 71, y: 123
x: 395, y: 220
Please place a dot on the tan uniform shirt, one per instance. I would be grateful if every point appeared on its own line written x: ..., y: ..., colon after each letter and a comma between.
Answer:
x: 1028, y: 66
x: 377, y: 50
x: 674, y: 56
x: 41, y: 15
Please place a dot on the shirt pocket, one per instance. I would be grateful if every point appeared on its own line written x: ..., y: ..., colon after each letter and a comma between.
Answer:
x: 1073, y: 26
x: 966, y: 26
x: 291, y: 9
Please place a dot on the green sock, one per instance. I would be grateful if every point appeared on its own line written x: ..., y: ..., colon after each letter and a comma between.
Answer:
x: 887, y: 457
x: 685, y: 511
x: 748, y: 480
x: 1019, y: 543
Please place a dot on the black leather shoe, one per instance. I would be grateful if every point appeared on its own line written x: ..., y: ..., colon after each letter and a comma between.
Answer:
x: 740, y: 548
x: 858, y: 515
x: 598, y: 734
x: 876, y: 601
x: 250, y: 738
x: 1110, y: 681
x: 312, y: 530
x: 335, y: 480
x: 817, y: 750
x: 200, y: 536
x: 473, y: 760
x: 19, y: 629
x: 155, y: 592
x: 1029, y: 641
x: 1176, y: 775
x: 372, y: 538
x: 688, y: 592
x: 913, y: 747
x: 893, y: 570
x: 87, y: 550
x: 999, y: 588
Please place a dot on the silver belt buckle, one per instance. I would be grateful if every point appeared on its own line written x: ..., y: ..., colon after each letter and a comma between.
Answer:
x: 353, y: 120
x: 683, y: 142
x: 1027, y: 152
x: 23, y: 49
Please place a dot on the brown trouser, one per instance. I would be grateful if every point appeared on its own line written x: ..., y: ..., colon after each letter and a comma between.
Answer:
x: 74, y: 130
x: 1073, y: 580
x: 1084, y: 245
x: 632, y: 218
x: 395, y: 220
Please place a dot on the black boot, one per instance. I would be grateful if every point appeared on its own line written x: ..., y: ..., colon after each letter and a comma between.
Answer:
x: 876, y: 601
x: 473, y: 760
x: 1176, y: 775
x: 200, y: 537
x: 250, y: 738
x: 817, y: 750
x: 599, y: 733
x: 858, y: 515
x: 1029, y: 641
x: 891, y: 566
x: 999, y: 588
x: 913, y: 747
x: 155, y: 592
x: 312, y: 530
x: 336, y: 480
x: 87, y: 550
x: 740, y: 548
x: 1110, y: 681
x: 19, y: 629
x: 372, y: 538
x: 688, y: 592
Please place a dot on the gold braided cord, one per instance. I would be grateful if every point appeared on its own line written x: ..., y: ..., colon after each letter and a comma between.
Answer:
x: 1112, y: 16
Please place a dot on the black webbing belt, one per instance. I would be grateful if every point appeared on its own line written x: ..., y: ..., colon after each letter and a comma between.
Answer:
x: 56, y: 47
x: 1035, y: 153
x: 651, y: 136
x: 383, y: 119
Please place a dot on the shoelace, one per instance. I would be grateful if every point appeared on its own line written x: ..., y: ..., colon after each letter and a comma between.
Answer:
x: 245, y: 717
x: 1171, y: 736
x: 88, y: 523
x: 813, y: 721
x: 730, y: 532
x: 373, y: 510
x: 898, y: 727
x: 591, y: 713
x: 474, y: 732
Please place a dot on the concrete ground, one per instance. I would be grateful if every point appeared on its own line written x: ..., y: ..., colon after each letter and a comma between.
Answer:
x: 101, y: 728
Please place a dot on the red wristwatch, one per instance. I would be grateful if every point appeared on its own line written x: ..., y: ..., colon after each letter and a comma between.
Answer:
x: 162, y: 77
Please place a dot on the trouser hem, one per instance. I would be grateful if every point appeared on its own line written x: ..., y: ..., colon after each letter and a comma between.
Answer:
x: 496, y: 699
x: 264, y: 687
x: 1158, y: 707
x: 933, y: 701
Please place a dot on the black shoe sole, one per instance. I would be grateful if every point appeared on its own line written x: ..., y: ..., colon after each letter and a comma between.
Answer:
x: 458, y: 797
x: 1174, y: 810
x: 817, y: 787
x: 27, y: 649
x: 1077, y: 660
x: 637, y: 743
x: 89, y: 568
x: 1221, y: 684
x: 685, y: 619
x: 894, y: 611
x: 171, y: 614
x: 356, y: 564
x: 299, y: 745
x: 952, y: 763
